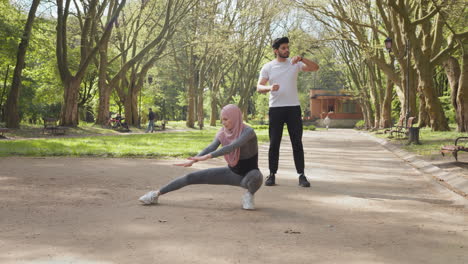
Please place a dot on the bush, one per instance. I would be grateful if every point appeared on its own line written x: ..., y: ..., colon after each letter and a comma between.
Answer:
x: 396, y: 109
x: 311, y: 128
x: 259, y: 126
x: 449, y: 111
x: 360, y: 124
x: 254, y: 122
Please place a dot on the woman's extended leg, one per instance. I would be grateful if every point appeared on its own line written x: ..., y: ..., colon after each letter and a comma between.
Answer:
x: 222, y: 176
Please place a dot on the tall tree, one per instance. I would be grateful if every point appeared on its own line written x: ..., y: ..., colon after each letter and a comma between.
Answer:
x: 88, y: 14
x: 11, y: 111
x: 104, y: 88
x: 138, y: 56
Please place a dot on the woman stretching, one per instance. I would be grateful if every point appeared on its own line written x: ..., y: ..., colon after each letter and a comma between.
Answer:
x: 240, y: 149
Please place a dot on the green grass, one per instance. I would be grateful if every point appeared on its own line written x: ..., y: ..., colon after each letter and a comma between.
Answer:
x: 174, y: 144
x: 431, y: 141
x: 35, y: 130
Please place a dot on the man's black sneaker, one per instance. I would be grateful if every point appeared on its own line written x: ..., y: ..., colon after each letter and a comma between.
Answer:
x: 270, y: 180
x: 303, y: 182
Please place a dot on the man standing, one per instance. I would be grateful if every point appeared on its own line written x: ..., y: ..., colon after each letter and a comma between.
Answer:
x: 151, y: 117
x: 281, y: 74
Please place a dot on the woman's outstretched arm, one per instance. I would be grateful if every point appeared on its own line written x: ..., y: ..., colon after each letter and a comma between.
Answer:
x: 212, y: 147
x: 203, y: 155
x: 247, y: 134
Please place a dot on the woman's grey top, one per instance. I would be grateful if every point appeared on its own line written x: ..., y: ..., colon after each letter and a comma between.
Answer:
x: 248, y: 158
x: 247, y: 142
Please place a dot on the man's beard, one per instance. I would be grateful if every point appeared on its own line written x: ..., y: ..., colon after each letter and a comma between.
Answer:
x: 284, y: 56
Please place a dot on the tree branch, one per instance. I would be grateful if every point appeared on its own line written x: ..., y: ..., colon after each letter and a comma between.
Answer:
x: 425, y: 18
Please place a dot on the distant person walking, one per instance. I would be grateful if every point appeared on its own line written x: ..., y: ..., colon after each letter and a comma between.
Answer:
x: 281, y: 74
x: 151, y: 118
x: 327, y: 121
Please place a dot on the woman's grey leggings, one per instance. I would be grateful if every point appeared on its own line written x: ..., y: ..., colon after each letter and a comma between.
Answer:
x: 223, y: 176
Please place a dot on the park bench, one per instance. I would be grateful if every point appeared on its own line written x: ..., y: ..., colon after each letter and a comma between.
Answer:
x: 395, y: 127
x: 454, y: 149
x: 162, y: 126
x: 3, y: 130
x: 401, y: 130
x: 50, y: 125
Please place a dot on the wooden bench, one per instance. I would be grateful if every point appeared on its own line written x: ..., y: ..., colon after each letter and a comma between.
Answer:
x: 50, y: 125
x: 396, y: 126
x: 3, y: 130
x: 162, y: 126
x: 454, y: 149
x: 401, y: 130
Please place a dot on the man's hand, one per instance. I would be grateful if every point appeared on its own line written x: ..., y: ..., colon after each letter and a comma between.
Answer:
x: 262, y: 87
x: 275, y: 87
x: 296, y: 59
x: 201, y: 158
x: 186, y: 164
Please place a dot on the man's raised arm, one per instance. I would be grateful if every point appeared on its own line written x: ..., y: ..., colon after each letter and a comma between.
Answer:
x: 263, y: 88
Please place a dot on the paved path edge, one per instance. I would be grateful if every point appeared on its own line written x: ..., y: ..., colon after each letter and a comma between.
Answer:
x: 454, y: 182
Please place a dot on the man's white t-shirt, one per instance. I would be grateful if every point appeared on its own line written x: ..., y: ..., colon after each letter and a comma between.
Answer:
x: 284, y: 74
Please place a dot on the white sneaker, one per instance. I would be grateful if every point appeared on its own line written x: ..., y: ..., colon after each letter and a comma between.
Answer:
x: 150, y: 197
x: 248, y: 201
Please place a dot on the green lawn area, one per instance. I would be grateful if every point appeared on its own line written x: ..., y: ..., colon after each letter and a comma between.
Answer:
x: 431, y: 141
x: 35, y: 130
x: 170, y: 144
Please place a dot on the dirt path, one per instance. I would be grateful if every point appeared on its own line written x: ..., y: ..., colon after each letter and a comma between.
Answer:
x: 364, y: 206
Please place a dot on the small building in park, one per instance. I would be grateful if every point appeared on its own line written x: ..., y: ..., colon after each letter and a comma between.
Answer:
x: 343, y: 110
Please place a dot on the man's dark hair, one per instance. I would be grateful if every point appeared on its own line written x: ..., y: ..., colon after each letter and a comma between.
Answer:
x: 150, y: 109
x: 277, y: 42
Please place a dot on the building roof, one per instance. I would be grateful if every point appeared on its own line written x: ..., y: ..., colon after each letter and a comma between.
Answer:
x: 328, y: 96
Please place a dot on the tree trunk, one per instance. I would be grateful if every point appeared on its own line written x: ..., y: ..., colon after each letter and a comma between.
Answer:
x: 135, y: 109
x: 200, y: 84
x: 200, y: 112
x: 11, y: 111
x: 370, y: 115
x: 69, y: 113
x: 412, y: 84
x: 424, y: 119
x: 438, y: 122
x: 4, y: 90
x: 104, y: 105
x: 386, y: 116
x: 462, y: 96
x: 374, y: 93
x: 105, y: 90
x: 453, y: 72
x: 128, y: 109
x: 365, y: 112
x: 131, y: 106
x: 214, y: 111
x: 191, y: 104
x: 214, y: 103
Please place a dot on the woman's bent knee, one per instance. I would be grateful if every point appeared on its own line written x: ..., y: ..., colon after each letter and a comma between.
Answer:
x: 253, y: 181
